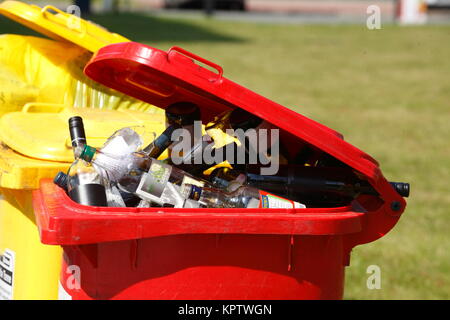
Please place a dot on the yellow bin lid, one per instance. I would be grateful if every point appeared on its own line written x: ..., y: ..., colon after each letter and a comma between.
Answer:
x: 35, y: 142
x: 40, y: 130
x: 59, y: 25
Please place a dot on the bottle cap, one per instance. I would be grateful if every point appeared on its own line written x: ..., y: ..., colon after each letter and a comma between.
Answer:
x: 76, y: 128
x: 61, y: 179
x: 182, y: 113
x: 402, y: 188
x: 88, y: 153
x: 75, y: 121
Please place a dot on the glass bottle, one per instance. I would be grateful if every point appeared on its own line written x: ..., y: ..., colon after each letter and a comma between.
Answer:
x: 85, y: 185
x: 314, y: 186
x: 243, y: 197
x: 183, y: 115
x: 77, y: 134
x: 179, y: 115
x: 137, y: 173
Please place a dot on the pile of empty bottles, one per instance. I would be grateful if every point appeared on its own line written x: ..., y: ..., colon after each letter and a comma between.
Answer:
x: 219, y: 165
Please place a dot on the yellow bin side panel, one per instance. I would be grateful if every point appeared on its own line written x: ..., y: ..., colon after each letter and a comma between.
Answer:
x: 36, y: 266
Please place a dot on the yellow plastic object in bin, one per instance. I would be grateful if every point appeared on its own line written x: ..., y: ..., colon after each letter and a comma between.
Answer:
x: 59, y: 25
x: 34, y: 145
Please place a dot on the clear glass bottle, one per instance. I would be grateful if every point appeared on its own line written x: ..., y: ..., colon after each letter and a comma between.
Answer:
x: 137, y: 173
x: 85, y: 185
x: 242, y: 197
x: 123, y: 141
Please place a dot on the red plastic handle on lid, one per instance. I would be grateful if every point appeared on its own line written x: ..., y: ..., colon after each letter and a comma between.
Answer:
x: 196, y: 57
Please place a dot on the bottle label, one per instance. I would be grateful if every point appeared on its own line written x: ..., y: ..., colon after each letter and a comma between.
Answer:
x: 268, y: 200
x: 189, y: 180
x: 193, y: 192
x: 153, y: 182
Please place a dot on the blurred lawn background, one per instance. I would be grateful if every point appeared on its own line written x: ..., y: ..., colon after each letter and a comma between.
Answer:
x: 387, y: 91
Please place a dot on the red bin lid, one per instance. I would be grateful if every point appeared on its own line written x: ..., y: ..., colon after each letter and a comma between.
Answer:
x: 162, y: 78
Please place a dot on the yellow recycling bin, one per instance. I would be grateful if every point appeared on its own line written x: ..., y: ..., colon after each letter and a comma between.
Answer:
x: 36, y: 144
x: 34, y: 69
x: 28, y: 269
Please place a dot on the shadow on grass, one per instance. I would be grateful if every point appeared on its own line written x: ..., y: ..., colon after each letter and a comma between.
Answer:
x: 145, y: 28
x: 140, y: 28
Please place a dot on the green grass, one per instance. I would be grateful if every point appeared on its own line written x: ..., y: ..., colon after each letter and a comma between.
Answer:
x: 387, y: 91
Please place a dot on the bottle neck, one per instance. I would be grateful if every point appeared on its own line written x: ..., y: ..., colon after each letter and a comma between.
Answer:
x: 161, y: 143
x: 61, y: 180
x: 76, y: 129
x: 88, y: 153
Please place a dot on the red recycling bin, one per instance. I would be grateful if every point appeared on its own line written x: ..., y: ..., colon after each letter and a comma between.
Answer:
x: 172, y: 253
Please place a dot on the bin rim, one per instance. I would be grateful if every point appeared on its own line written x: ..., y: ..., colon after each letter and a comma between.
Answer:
x: 64, y: 222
